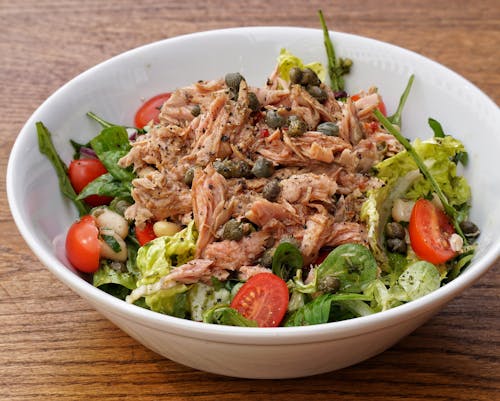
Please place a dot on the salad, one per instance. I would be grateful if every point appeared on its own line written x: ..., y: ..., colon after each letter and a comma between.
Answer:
x: 293, y: 203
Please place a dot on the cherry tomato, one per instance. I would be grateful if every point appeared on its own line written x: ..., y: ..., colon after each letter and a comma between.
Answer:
x: 263, y: 298
x: 83, y: 246
x: 381, y: 104
x: 145, y: 234
x: 382, y: 108
x: 150, y: 110
x: 430, y: 230
x: 83, y: 171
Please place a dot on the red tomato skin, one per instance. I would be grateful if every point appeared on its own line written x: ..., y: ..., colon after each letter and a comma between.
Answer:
x: 83, y: 246
x: 150, y: 110
x: 145, y: 234
x: 430, y: 230
x: 263, y: 298
x: 381, y: 107
x: 83, y: 171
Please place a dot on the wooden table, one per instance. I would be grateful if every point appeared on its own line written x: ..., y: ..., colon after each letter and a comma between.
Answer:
x: 53, y: 346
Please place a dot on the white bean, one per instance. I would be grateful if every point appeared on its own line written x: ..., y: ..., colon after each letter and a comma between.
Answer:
x: 165, y: 228
x: 401, y: 210
x: 107, y: 252
x: 106, y: 218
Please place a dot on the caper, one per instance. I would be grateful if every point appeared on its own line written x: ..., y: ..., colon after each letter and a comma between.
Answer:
x: 241, y: 169
x: 253, y: 102
x: 233, y: 80
x: 233, y: 230
x: 224, y: 168
x: 271, y: 190
x: 188, y: 176
x: 295, y: 75
x: 274, y: 119
x: 396, y: 245
x: 329, y: 284
x: 309, y: 77
x: 266, y: 259
x: 296, y: 126
x: 196, y: 110
x: 318, y: 93
x: 346, y: 63
x: 328, y: 128
x: 469, y: 229
x: 395, y: 230
x: 263, y: 168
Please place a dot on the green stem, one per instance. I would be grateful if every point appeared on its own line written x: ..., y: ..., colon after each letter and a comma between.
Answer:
x: 396, y: 117
x: 104, y: 123
x: 450, y: 210
x: 330, y: 52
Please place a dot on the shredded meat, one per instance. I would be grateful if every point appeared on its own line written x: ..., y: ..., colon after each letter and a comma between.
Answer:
x: 320, y: 181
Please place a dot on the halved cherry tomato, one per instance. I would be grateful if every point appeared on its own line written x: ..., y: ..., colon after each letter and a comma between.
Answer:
x: 83, y: 246
x: 381, y: 104
x: 382, y: 108
x: 430, y: 230
x: 83, y: 171
x: 145, y: 234
x: 263, y: 298
x: 150, y: 110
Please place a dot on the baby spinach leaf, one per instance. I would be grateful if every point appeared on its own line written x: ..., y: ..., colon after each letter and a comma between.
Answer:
x: 286, y: 260
x: 110, y: 146
x: 47, y: 148
x: 107, y: 185
x: 352, y: 264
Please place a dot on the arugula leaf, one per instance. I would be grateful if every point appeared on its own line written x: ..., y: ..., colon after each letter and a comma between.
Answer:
x: 337, y: 68
x: 436, y: 127
x: 318, y: 310
x: 110, y: 146
x: 224, y: 314
x: 47, y: 148
x: 106, y: 185
x: 396, y: 117
x: 286, y: 260
x: 104, y: 123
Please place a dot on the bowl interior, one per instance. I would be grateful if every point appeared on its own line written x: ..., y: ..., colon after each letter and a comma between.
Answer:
x: 116, y: 88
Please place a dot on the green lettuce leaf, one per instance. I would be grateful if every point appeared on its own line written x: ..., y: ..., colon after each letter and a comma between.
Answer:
x: 172, y: 301
x: 157, y: 257
x: 419, y: 279
x: 286, y: 61
x: 202, y: 297
x: 224, y: 314
x: 402, y: 179
x: 437, y: 154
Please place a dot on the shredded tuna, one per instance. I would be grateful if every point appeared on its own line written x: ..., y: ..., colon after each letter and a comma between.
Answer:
x: 321, y: 180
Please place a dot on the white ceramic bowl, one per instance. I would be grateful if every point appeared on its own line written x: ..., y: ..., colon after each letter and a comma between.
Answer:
x: 114, y: 90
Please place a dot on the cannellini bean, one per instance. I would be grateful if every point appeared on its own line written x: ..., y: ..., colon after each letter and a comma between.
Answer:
x: 456, y: 242
x: 107, y: 252
x: 401, y: 210
x: 106, y: 218
x: 165, y: 228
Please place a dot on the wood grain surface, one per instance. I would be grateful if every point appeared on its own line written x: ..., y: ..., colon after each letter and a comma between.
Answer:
x: 54, y: 346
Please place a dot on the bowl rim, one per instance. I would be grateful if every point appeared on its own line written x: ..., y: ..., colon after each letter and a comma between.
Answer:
x: 268, y: 336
